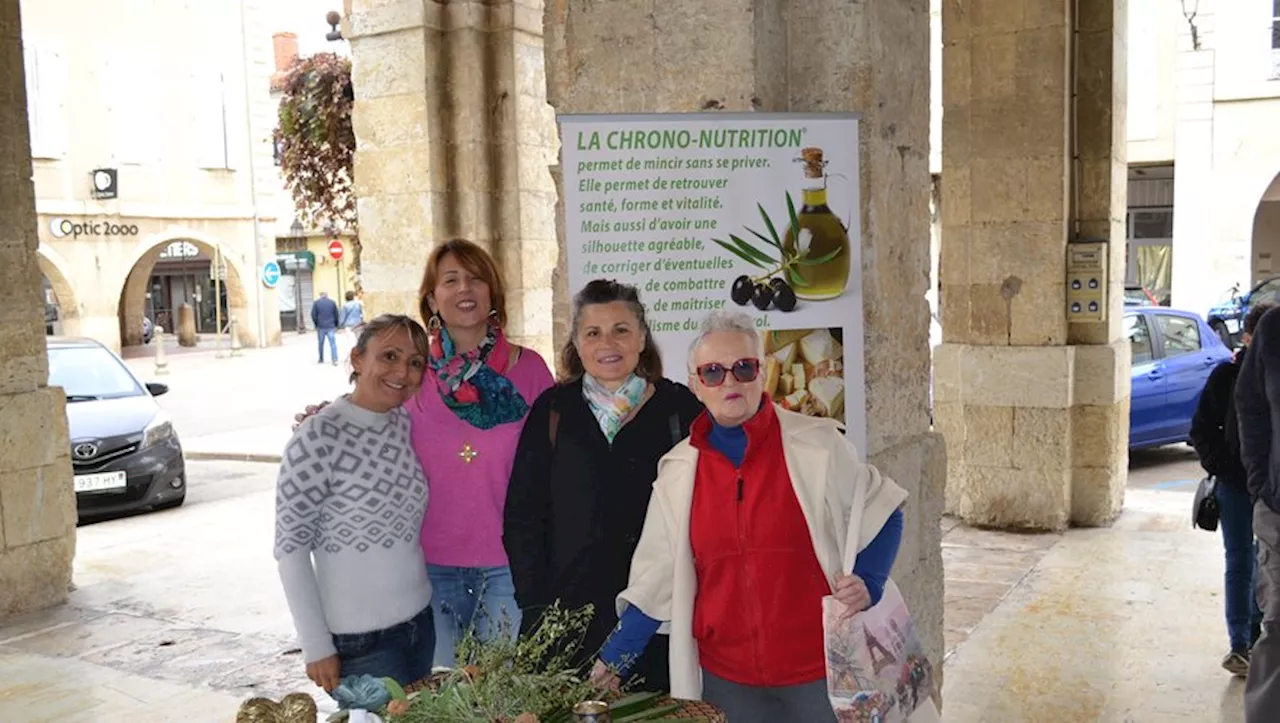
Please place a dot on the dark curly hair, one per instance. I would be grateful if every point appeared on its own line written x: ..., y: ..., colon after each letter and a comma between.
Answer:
x: 1255, y: 315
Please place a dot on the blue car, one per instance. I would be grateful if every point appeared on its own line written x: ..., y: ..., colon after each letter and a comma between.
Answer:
x: 1173, y: 353
x: 1226, y: 318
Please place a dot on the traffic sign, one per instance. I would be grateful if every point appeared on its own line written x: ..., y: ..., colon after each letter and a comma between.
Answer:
x: 335, y: 250
x: 270, y: 274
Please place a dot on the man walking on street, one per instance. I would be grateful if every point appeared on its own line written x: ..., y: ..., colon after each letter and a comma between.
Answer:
x: 1258, y: 410
x: 324, y: 316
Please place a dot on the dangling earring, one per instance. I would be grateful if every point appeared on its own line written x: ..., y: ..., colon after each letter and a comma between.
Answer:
x: 434, y: 323
x: 493, y: 318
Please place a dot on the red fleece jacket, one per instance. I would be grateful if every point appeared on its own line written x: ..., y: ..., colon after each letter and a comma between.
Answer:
x: 758, y: 613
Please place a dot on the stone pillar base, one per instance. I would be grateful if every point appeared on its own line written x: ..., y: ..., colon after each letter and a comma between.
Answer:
x: 1038, y: 436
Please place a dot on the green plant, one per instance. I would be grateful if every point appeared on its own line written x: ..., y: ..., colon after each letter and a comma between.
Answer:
x: 317, y: 142
x: 788, y: 256
x: 501, y: 680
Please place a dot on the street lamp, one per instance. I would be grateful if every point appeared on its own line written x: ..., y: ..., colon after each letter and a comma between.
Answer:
x: 333, y: 18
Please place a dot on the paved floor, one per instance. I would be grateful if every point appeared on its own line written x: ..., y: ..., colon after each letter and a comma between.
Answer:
x: 242, y: 407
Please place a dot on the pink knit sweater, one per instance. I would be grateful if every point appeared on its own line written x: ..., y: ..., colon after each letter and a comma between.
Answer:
x: 463, y: 523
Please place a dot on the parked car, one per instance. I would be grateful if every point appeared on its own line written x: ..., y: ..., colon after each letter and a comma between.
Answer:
x: 1139, y: 296
x: 1226, y: 317
x: 124, y: 452
x: 1173, y: 353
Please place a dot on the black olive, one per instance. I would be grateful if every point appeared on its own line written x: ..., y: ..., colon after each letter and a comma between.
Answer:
x: 741, y: 291
x: 785, y: 299
x: 777, y: 283
x: 762, y: 297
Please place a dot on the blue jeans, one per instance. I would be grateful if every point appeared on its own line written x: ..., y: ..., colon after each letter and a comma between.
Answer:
x: 402, y: 652
x: 1235, y: 513
x: 483, y: 598
x: 332, y: 336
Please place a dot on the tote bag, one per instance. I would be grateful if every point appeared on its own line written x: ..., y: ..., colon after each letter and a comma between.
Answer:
x: 877, y: 671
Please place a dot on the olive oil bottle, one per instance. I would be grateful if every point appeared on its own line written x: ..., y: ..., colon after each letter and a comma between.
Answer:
x: 827, y: 237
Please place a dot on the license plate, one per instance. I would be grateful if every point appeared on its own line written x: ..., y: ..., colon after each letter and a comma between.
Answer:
x: 1233, y: 325
x: 101, y: 482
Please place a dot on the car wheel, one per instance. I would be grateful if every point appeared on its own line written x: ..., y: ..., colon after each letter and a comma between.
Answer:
x: 171, y: 504
x: 1220, y: 329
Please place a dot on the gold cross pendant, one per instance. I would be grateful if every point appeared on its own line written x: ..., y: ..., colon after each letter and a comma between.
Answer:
x: 468, y: 453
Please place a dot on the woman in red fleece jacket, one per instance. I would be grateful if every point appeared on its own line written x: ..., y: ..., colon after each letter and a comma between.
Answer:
x: 744, y: 537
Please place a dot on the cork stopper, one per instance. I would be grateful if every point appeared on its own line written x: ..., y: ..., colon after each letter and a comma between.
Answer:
x: 813, y: 164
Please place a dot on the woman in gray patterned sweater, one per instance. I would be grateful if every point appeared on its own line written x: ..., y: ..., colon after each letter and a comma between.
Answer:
x: 349, y: 508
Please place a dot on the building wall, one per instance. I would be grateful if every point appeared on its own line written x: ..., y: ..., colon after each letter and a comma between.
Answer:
x: 170, y: 95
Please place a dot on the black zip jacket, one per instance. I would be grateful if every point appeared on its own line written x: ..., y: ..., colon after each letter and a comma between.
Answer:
x: 1215, y: 429
x: 1258, y: 407
x: 575, y: 509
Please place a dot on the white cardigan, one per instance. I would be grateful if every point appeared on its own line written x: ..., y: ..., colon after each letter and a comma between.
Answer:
x: 830, y: 483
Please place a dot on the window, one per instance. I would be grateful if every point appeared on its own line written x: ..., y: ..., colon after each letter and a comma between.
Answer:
x: 1268, y: 293
x: 1135, y: 327
x: 1275, y: 25
x: 46, y: 74
x: 1181, y: 335
x: 90, y: 373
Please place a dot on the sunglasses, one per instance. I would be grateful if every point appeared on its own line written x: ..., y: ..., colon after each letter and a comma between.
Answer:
x: 744, y: 370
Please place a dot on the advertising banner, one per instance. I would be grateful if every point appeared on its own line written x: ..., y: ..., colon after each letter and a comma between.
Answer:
x: 757, y: 212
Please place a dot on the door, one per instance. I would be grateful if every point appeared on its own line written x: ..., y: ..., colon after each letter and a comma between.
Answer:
x: 1187, y: 365
x: 1146, y: 405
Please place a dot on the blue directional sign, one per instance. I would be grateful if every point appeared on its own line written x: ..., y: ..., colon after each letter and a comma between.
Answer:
x: 270, y: 274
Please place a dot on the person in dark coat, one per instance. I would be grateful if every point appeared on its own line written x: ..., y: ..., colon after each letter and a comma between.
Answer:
x: 324, y: 317
x: 1215, y: 434
x: 1258, y: 408
x: 585, y: 467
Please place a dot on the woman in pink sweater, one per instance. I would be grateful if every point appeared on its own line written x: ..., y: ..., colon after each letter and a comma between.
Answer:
x: 466, y: 422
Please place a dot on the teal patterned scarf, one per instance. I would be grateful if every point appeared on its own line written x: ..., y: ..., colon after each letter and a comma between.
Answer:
x: 611, y: 408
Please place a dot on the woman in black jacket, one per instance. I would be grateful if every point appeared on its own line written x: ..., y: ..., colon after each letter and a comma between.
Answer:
x: 1215, y: 436
x: 585, y: 467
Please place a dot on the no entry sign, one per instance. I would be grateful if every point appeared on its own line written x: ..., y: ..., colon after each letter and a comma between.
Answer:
x: 336, y: 250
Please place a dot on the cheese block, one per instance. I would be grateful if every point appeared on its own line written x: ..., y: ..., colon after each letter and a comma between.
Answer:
x: 772, y: 371
x: 828, y: 395
x: 820, y: 346
x: 830, y: 367
x: 797, y: 371
x: 786, y: 356
x: 794, y: 402
x: 787, y: 337
x: 786, y: 385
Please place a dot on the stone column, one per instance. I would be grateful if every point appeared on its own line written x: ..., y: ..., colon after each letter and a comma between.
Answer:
x: 37, y: 503
x: 454, y: 138
x: 637, y: 56
x: 1034, y: 409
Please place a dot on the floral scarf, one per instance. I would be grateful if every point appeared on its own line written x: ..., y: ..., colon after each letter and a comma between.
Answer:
x: 474, y: 384
x: 611, y: 408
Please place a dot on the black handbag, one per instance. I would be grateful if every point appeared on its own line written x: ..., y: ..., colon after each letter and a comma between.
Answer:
x: 1204, y: 510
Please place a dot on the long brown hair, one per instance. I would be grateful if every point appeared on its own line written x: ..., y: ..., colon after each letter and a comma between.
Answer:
x: 608, y: 291
x: 473, y: 258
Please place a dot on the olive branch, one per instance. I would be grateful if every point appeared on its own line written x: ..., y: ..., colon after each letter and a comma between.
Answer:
x: 788, y: 261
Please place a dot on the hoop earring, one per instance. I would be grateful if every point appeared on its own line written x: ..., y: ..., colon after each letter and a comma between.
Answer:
x: 493, y: 317
x: 434, y: 323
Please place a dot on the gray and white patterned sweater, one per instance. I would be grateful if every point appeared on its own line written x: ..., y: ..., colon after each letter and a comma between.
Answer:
x: 349, y: 506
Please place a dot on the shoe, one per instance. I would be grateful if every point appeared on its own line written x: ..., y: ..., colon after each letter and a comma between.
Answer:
x: 1237, y: 663
x: 335, y: 362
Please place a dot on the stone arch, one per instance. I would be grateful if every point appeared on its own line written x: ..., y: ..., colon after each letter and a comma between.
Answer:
x: 1265, y: 233
x: 55, y: 269
x: 133, y: 293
